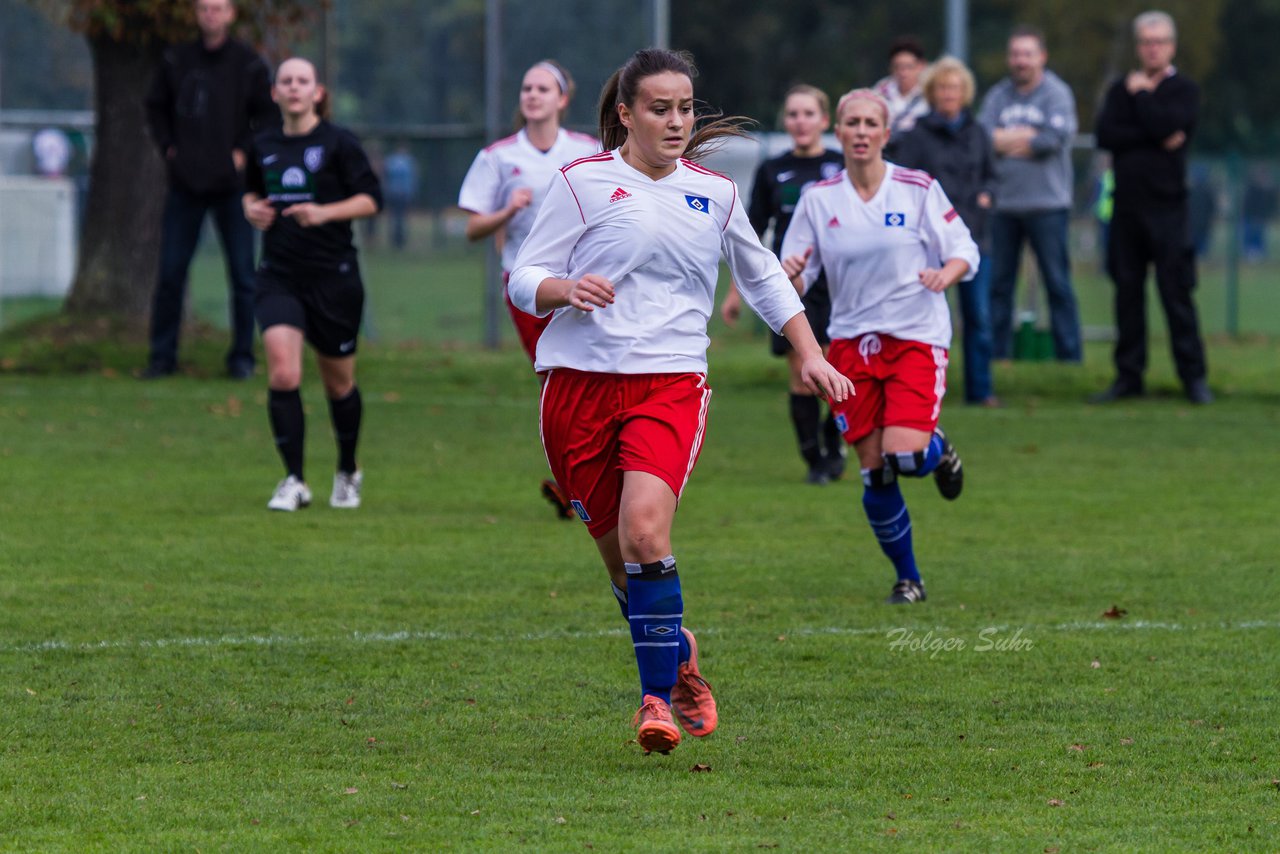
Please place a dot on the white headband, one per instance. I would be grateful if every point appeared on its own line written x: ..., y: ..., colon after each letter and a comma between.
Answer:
x: 557, y: 74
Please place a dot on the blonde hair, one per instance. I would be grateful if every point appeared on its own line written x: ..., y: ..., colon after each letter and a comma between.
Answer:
x: 948, y: 66
x: 863, y: 95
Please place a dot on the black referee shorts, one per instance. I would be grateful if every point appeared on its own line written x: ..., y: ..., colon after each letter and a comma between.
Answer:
x: 817, y: 308
x: 325, y: 304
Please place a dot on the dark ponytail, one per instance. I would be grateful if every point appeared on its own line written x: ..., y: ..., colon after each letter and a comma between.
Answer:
x: 622, y: 86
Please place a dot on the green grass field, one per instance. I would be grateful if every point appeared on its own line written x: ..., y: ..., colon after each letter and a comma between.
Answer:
x: 445, y: 668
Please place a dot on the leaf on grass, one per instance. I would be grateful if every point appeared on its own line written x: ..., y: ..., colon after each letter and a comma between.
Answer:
x: 31, y: 692
x: 471, y: 701
x: 475, y: 812
x: 892, y: 816
x: 907, y: 795
x: 1095, y: 664
x: 1094, y: 765
x: 1115, y: 612
x: 560, y: 819
x: 350, y: 790
x: 740, y: 739
x: 351, y: 823
x: 700, y: 768
x: 234, y: 406
x: 769, y: 845
x: 254, y: 821
x: 891, y: 831
x: 396, y: 785
x: 1126, y: 741
x: 1079, y: 748
x: 782, y: 638
x: 343, y: 721
x: 370, y: 741
x: 553, y: 594
x: 1054, y: 802
x: 351, y: 699
x: 1276, y: 783
x: 1052, y: 849
x: 140, y: 798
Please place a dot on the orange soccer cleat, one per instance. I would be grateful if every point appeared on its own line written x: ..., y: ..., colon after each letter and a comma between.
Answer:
x: 691, y: 698
x: 655, y: 729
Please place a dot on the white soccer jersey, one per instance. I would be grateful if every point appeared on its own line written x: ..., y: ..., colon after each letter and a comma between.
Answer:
x: 873, y: 253
x: 510, y: 164
x: 660, y: 243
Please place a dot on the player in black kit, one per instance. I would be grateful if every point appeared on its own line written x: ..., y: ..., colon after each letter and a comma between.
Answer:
x: 774, y: 195
x: 305, y: 183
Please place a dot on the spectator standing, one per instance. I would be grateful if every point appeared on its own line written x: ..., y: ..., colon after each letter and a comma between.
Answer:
x: 208, y: 99
x: 1031, y: 116
x: 1146, y: 122
x: 901, y: 89
x: 400, y: 186
x: 953, y: 147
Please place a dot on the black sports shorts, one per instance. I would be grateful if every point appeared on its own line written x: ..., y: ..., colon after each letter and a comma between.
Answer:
x: 325, y: 304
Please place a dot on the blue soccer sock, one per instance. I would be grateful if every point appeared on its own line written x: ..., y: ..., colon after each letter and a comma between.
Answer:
x: 918, y: 463
x: 887, y: 513
x: 655, y: 609
x: 621, y: 596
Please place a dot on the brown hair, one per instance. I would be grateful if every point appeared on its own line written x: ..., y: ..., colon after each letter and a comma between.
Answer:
x: 559, y: 72
x: 824, y: 103
x: 624, y: 84
x: 322, y: 106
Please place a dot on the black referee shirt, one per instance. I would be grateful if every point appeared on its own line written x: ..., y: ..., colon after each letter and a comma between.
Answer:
x: 324, y: 166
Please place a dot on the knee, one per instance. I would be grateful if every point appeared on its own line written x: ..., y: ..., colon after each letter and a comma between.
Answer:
x: 645, y: 534
x: 337, y: 389
x: 284, y: 377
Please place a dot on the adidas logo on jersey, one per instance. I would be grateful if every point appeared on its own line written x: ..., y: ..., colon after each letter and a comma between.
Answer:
x: 618, y: 195
x: 834, y: 222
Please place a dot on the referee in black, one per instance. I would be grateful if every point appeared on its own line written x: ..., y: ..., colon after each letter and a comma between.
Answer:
x: 304, y: 185
x: 1146, y: 122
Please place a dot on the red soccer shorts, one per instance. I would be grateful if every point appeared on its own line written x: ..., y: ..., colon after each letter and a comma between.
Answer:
x: 597, y: 426
x: 528, y: 326
x: 896, y: 383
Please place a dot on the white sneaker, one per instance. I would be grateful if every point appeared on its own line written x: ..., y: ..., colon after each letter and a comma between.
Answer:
x: 290, y: 494
x: 346, y: 490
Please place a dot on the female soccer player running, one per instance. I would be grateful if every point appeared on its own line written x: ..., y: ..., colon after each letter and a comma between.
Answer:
x: 508, y: 180
x: 880, y: 231
x: 624, y: 257
x: 806, y: 115
x: 305, y: 183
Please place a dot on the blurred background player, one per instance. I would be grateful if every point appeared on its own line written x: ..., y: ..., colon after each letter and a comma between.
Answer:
x: 305, y: 183
x: 208, y: 99
x: 901, y: 89
x: 624, y: 259
x: 507, y: 182
x: 954, y: 148
x: 806, y: 116
x: 877, y: 229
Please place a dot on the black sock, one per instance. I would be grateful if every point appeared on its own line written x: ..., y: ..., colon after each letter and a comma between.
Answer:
x: 346, y: 414
x: 288, y: 424
x: 804, y: 415
x: 832, y: 439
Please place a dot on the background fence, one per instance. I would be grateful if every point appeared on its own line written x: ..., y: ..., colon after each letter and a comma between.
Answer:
x: 421, y: 92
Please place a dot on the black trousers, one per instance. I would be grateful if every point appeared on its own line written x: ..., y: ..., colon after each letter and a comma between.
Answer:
x: 1159, y: 238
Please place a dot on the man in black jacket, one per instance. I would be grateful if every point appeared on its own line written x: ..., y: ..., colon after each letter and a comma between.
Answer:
x: 208, y: 99
x: 1146, y: 122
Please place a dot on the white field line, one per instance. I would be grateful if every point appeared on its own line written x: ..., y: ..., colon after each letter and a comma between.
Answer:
x: 375, y: 638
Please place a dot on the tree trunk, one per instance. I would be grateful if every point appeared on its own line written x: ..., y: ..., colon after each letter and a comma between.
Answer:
x: 120, y: 246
